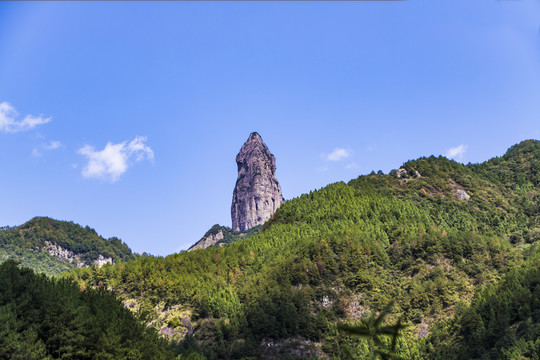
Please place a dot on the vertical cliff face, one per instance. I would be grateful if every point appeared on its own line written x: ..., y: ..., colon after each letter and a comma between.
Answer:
x: 257, y: 193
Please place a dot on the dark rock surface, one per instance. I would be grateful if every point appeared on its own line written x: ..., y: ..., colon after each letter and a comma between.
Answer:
x: 257, y: 193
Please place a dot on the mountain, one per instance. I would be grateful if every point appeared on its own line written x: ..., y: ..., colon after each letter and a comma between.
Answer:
x: 51, y: 246
x: 453, y: 247
x: 257, y: 193
x: 222, y: 235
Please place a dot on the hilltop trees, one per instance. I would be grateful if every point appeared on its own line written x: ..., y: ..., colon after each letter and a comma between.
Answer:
x: 342, y: 253
x: 30, y: 243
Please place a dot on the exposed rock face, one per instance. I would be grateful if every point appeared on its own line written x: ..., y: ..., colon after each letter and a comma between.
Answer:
x: 168, y: 331
x: 404, y: 176
x: 355, y: 310
x: 208, y: 240
x: 257, y: 193
x: 293, y: 347
x: 63, y: 254
x: 222, y: 235
x: 462, y: 195
x: 422, y: 331
x: 459, y: 191
x: 67, y: 255
x: 102, y: 260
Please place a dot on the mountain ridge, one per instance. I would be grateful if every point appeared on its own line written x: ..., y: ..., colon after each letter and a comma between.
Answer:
x: 341, y: 253
x: 52, y: 246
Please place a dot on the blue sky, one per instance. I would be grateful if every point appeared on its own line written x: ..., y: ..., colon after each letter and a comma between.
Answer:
x: 127, y: 117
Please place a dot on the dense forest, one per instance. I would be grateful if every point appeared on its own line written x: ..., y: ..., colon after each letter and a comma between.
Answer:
x: 453, y: 247
x: 44, y: 318
x: 502, y: 321
x: 51, y: 246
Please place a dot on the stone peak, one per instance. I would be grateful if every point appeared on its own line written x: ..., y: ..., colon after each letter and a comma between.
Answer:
x: 257, y: 193
x: 255, y: 137
x: 254, y: 147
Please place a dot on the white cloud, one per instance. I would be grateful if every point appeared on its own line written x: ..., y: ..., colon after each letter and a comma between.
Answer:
x: 10, y: 124
x: 338, y: 154
x: 53, y: 145
x: 352, y: 165
x: 111, y: 162
x: 456, y: 152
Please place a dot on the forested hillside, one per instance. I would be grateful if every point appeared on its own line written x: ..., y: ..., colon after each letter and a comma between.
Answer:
x: 450, y: 243
x: 51, y: 246
x: 44, y: 318
x: 501, y: 322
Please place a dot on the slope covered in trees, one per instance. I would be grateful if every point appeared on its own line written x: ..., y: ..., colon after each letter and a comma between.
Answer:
x: 502, y: 321
x: 51, y: 246
x: 435, y: 236
x: 44, y: 318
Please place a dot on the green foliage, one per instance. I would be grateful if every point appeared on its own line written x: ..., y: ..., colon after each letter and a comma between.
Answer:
x: 37, y: 260
x: 43, y: 318
x: 373, y: 329
x: 518, y: 167
x: 28, y: 243
x: 349, y: 249
x: 502, y: 321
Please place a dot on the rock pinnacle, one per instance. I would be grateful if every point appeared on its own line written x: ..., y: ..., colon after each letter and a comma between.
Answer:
x: 257, y: 193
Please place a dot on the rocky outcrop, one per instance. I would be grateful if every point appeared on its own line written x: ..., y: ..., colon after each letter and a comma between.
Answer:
x: 458, y: 191
x: 462, y: 195
x: 168, y: 331
x: 67, y: 255
x: 293, y: 347
x: 209, y: 239
x: 257, y: 193
x: 63, y: 254
x: 102, y: 260
x: 222, y: 235
x: 403, y: 175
